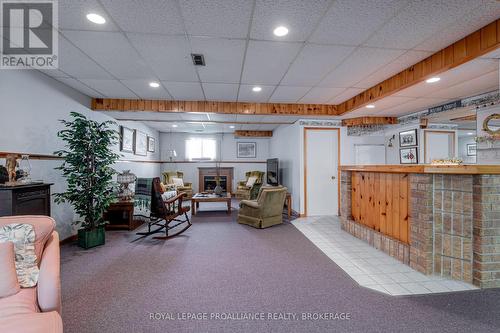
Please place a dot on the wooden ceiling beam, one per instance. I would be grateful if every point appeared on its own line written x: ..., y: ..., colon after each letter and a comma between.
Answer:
x: 253, y: 134
x: 369, y: 121
x: 277, y: 109
x: 472, y: 46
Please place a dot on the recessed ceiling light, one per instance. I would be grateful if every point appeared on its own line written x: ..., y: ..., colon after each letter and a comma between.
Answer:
x: 174, y: 125
x: 154, y: 84
x: 96, y: 18
x: 433, y: 79
x: 470, y: 133
x: 370, y: 106
x: 256, y: 89
x: 280, y: 31
x: 232, y: 126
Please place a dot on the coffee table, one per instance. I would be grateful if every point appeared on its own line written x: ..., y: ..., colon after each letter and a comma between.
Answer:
x: 211, y: 197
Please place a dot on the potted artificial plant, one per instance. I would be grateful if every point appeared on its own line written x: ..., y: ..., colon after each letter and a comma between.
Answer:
x: 87, y: 167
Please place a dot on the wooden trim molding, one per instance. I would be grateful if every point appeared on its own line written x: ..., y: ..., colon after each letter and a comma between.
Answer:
x: 114, y: 104
x: 472, y: 46
x: 304, y: 158
x: 253, y: 134
x: 369, y: 121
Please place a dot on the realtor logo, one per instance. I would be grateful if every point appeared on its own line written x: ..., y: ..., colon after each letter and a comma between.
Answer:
x: 29, y: 34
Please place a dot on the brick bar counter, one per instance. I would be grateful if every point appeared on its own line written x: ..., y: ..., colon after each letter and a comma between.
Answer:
x: 442, y: 220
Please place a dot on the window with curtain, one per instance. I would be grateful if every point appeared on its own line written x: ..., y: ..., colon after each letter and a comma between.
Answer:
x: 201, y: 149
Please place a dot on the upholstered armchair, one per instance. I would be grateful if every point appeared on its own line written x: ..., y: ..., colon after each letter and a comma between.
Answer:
x: 248, y: 191
x: 266, y: 211
x: 170, y: 181
x: 38, y: 308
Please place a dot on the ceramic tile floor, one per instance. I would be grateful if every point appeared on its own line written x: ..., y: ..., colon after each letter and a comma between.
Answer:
x: 368, y: 266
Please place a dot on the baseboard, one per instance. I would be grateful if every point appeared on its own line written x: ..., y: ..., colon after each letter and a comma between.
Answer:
x: 69, y: 239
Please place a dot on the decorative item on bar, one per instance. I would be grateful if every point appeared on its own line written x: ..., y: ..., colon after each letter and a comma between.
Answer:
x: 11, y: 165
x: 125, y: 179
x: 447, y: 161
x: 171, y: 153
x: 25, y: 169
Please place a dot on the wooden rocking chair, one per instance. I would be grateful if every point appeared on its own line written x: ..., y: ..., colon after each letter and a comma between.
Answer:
x: 164, y: 212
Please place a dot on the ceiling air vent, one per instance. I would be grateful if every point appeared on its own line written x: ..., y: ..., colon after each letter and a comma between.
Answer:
x: 198, y: 59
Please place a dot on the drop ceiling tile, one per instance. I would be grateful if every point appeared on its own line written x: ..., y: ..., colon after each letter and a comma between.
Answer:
x: 142, y: 89
x: 401, y: 63
x: 321, y: 95
x: 152, y: 16
x: 416, y: 105
x: 419, y: 21
x: 390, y: 101
x: 185, y: 91
x: 492, y: 55
x: 56, y: 73
x: 313, y: 62
x: 479, y: 85
x: 340, y: 27
x: 247, y: 95
x: 268, y: 127
x: 249, y: 118
x: 112, y: 51
x: 360, y: 64
x: 198, y: 116
x: 79, y: 86
x: 110, y: 88
x: 168, y: 56
x: 73, y: 16
x: 222, y: 117
x: 486, y: 11
x: 300, y: 17
x: 217, y: 18
x: 223, y: 58
x: 345, y: 95
x: 463, y: 73
x: 266, y: 62
x: 220, y: 92
x: 288, y: 94
x: 77, y: 64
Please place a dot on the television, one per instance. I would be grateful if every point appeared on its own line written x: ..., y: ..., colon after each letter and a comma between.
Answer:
x: 272, y: 174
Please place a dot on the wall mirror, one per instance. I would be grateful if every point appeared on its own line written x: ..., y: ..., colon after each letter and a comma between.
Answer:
x: 491, y: 124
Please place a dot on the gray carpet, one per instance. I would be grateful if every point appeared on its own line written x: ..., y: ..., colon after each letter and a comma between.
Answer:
x: 219, y: 266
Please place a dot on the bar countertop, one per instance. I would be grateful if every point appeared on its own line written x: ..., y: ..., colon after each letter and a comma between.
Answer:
x: 465, y: 169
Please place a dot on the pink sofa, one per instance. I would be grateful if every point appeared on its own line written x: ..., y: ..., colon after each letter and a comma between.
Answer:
x: 36, y: 309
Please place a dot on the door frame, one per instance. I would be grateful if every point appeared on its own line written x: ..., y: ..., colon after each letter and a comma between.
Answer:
x: 304, y: 157
x: 426, y: 131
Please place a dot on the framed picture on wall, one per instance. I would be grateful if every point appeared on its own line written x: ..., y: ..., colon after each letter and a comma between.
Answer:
x: 408, y: 138
x: 408, y: 156
x: 140, y: 143
x: 246, y: 150
x: 471, y: 149
x: 151, y: 144
x: 126, y: 139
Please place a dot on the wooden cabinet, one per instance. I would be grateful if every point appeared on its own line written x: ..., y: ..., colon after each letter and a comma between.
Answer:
x: 29, y: 199
x: 120, y: 215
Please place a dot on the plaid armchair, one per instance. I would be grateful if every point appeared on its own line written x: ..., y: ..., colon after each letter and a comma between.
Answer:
x: 168, y: 182
x: 244, y: 192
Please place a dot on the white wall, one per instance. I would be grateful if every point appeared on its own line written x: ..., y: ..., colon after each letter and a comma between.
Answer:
x: 226, y: 151
x: 31, y: 105
x: 463, y: 141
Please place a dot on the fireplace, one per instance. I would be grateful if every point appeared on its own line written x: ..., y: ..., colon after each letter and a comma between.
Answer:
x: 207, y: 178
x: 209, y: 182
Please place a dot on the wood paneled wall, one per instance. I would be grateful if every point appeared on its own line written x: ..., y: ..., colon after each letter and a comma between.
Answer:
x: 380, y: 202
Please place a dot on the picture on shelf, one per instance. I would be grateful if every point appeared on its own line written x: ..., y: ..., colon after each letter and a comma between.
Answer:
x: 247, y: 150
x: 127, y: 139
x: 471, y: 149
x: 151, y: 144
x: 408, y: 156
x: 140, y: 143
x: 408, y: 138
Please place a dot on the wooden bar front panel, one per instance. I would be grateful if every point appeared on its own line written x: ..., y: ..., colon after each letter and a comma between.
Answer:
x: 380, y: 202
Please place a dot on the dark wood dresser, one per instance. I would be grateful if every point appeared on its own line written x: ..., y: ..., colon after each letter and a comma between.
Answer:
x: 29, y: 199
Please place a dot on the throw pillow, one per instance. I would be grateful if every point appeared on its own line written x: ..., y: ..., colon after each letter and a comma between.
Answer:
x: 23, y: 237
x: 251, y: 180
x: 178, y: 182
x: 8, y: 277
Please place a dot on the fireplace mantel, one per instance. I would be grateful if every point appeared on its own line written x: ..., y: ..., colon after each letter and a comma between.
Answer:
x: 212, y: 171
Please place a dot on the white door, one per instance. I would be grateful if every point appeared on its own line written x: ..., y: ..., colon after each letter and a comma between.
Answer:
x: 321, y: 172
